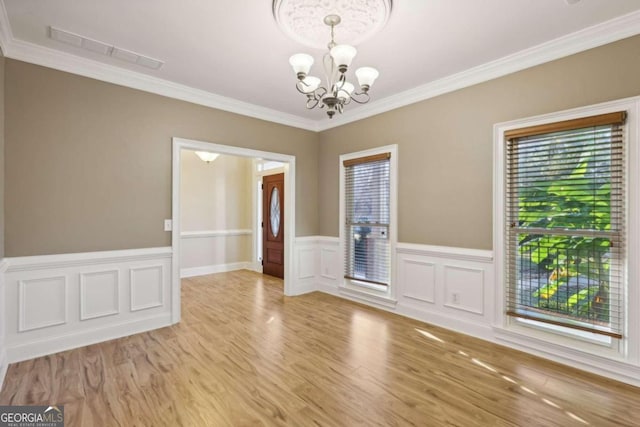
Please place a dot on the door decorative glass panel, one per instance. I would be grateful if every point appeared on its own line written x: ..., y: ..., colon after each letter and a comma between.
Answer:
x: 274, y: 212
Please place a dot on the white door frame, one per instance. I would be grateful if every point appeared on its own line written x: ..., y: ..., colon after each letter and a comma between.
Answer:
x: 180, y: 144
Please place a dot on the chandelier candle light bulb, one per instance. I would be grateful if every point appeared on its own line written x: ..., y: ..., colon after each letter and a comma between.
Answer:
x: 301, y: 63
x: 310, y: 84
x: 342, y: 55
x: 366, y: 76
x: 338, y: 92
x: 345, y: 91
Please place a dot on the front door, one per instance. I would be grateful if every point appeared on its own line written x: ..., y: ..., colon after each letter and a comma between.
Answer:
x: 273, y: 225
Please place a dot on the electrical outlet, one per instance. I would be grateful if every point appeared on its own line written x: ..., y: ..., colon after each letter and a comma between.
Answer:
x: 168, y: 225
x: 456, y: 298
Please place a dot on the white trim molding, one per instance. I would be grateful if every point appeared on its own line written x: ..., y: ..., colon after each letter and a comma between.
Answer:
x: 48, y: 299
x: 216, y: 268
x: 146, y: 284
x: 58, y: 302
x: 59, y: 60
x: 350, y: 287
x: 588, y: 38
x: 99, y: 282
x: 306, y: 265
x: 462, y: 254
x: 214, y: 233
x: 618, y: 359
x: 289, y: 161
x: 423, y: 290
x: 598, y: 35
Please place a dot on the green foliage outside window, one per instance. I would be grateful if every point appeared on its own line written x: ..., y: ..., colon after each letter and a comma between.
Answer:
x: 568, y: 189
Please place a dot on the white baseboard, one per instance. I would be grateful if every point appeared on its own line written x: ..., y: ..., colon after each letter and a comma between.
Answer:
x: 447, y: 321
x: 218, y: 268
x: 43, y: 347
x: 303, y: 287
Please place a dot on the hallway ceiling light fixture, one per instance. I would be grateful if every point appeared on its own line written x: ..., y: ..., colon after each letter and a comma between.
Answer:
x: 206, y: 156
x: 338, y: 91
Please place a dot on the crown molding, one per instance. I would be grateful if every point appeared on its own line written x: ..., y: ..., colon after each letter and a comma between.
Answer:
x: 588, y: 38
x: 606, y: 32
x: 52, y: 58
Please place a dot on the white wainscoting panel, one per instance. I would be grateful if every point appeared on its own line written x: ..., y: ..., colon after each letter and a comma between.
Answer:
x: 330, y: 268
x: 305, y: 265
x: 446, y: 286
x: 329, y: 262
x: 464, y: 288
x: 147, y: 285
x: 418, y: 278
x: 57, y: 302
x: 99, y: 294
x: 42, y: 302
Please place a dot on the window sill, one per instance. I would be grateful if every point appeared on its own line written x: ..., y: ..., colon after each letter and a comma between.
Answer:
x: 368, y: 295
x: 543, y: 339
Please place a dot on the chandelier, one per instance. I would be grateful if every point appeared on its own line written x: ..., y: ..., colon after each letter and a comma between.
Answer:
x: 338, y: 92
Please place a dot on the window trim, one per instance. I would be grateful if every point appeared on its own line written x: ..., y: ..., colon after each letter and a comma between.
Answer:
x: 509, y: 328
x: 352, y: 287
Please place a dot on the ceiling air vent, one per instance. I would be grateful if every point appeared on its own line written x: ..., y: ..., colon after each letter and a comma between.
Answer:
x: 103, y: 48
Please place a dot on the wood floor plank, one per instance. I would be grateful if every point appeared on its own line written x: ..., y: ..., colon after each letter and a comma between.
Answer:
x: 245, y: 355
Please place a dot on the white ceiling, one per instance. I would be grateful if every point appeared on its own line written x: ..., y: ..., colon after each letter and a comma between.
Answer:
x: 218, y: 52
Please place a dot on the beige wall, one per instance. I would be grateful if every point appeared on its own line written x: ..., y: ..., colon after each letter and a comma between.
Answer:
x: 89, y: 163
x: 216, y: 195
x: 445, y: 143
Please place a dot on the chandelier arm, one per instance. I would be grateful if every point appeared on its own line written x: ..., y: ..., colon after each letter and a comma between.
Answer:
x: 320, y: 92
x: 300, y: 84
x: 364, y: 97
x: 312, y: 103
x: 314, y: 98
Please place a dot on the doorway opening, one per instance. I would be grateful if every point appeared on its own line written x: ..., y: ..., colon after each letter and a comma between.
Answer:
x: 270, y: 163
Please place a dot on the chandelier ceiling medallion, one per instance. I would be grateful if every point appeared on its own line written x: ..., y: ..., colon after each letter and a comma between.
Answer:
x: 303, y: 20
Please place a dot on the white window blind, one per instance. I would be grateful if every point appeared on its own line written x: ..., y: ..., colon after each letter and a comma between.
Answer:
x: 367, y: 218
x: 565, y: 228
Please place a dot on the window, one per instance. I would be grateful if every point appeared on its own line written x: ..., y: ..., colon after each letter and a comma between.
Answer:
x: 367, y: 215
x: 565, y: 223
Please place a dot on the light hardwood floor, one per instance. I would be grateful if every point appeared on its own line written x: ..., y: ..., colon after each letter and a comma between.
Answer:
x: 245, y: 355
